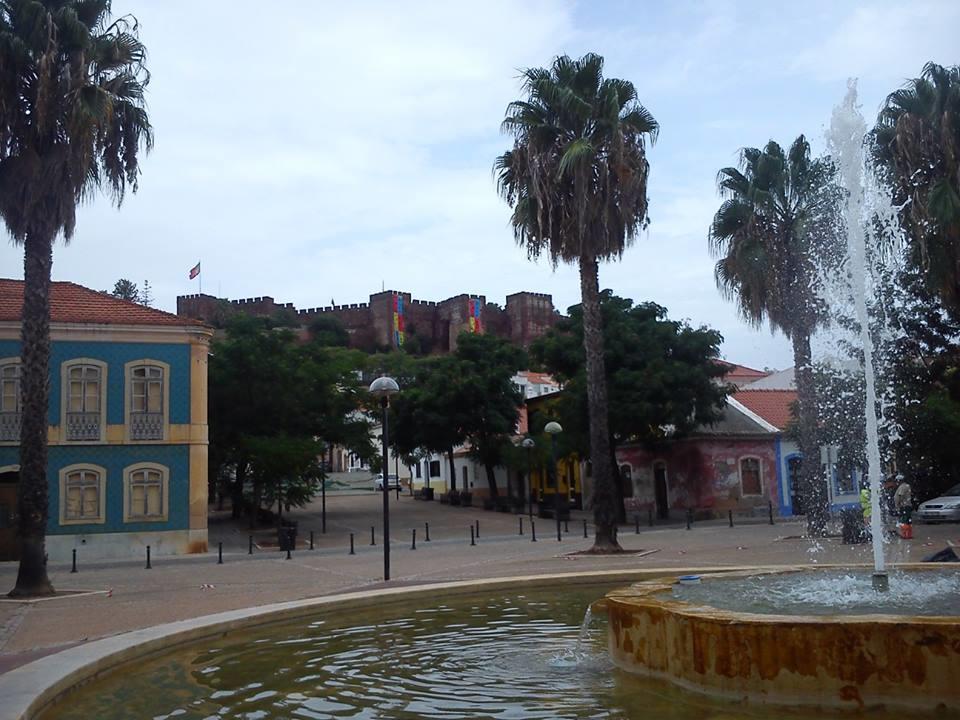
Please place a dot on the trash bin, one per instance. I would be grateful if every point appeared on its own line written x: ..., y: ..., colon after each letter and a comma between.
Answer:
x: 287, y: 536
x: 851, y: 526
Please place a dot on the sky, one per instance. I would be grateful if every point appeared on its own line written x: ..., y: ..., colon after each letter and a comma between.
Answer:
x: 322, y: 151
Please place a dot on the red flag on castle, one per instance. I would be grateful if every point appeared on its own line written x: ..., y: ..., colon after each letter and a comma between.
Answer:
x: 194, y: 271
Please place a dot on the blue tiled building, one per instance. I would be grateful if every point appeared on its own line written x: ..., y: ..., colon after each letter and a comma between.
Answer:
x: 127, y: 426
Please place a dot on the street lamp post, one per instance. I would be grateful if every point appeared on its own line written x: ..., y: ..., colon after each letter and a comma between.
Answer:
x: 529, y: 444
x: 383, y: 388
x: 553, y: 429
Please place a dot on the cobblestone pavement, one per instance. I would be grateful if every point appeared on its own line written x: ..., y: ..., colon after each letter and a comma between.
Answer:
x: 129, y: 596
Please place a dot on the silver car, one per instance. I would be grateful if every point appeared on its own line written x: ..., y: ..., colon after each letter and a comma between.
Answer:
x: 945, y: 508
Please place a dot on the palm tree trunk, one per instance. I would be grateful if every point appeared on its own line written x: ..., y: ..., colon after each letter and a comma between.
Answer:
x: 32, y: 500
x: 604, y: 492
x: 812, y: 486
x: 453, y: 470
x: 492, y: 480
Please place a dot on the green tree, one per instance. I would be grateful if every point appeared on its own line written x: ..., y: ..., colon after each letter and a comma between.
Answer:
x: 328, y: 331
x: 662, y: 374
x: 576, y: 179
x: 779, y: 214
x: 72, y: 120
x: 917, y: 143
x: 126, y: 290
x: 489, y: 399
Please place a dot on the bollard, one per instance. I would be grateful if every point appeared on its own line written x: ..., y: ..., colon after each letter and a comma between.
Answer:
x: 288, y: 551
x: 372, y: 539
x: 478, y: 529
x: 73, y: 569
x: 770, y: 506
x: 149, y: 566
x: 351, y: 544
x: 220, y: 553
x: 689, y: 518
x: 650, y: 516
x: 566, y: 526
x: 585, y: 528
x: 472, y: 540
x: 533, y: 531
x: 250, y: 546
x: 636, y: 524
x: 730, y: 517
x: 311, y: 539
x: 521, y: 524
x: 413, y: 545
x: 559, y: 537
x: 427, y: 527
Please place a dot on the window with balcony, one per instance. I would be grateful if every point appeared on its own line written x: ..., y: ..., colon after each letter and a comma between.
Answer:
x: 145, y: 493
x: 147, y: 400
x: 10, y: 400
x: 82, y: 494
x: 84, y: 401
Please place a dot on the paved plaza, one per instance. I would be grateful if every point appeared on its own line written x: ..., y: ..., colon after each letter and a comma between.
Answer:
x: 127, y: 596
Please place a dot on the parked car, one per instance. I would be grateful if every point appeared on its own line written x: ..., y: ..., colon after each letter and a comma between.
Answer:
x: 393, y: 482
x: 945, y: 508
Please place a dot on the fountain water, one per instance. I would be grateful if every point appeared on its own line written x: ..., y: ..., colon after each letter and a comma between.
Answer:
x: 846, y: 145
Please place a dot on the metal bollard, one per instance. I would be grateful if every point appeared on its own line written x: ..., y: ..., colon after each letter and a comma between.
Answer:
x: 559, y: 537
x: 585, y: 528
x: 427, y: 527
x: 533, y: 531
x: 478, y: 529
x: 730, y: 517
x: 689, y: 518
x: 650, y: 516
x: 220, y: 553
x: 521, y: 524
x: 149, y: 566
x: 636, y: 524
x: 311, y: 539
x: 413, y: 545
x: 372, y: 538
x: 288, y: 552
x: 472, y: 539
x: 351, y: 544
x: 250, y: 546
x: 566, y: 526
x: 73, y: 568
x: 770, y: 506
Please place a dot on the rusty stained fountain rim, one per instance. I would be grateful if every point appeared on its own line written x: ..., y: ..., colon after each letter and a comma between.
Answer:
x: 648, y: 594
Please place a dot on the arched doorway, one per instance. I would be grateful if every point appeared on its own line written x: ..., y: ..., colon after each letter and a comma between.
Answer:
x: 9, y: 481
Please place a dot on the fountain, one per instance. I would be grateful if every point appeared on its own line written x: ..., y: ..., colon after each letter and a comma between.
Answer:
x: 815, y: 637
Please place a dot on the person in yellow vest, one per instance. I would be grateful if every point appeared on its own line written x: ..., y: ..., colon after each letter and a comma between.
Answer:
x: 865, y: 505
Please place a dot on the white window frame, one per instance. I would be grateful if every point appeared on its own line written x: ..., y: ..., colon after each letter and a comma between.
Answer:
x: 128, y: 413
x: 101, y: 472
x: 17, y: 413
x: 164, y: 471
x: 759, y: 473
x: 65, y: 369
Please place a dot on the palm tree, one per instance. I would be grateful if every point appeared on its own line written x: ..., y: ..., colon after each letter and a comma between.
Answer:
x: 779, y: 212
x: 917, y: 141
x: 72, y: 119
x: 576, y: 179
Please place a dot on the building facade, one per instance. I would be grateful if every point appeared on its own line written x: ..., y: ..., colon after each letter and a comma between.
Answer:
x: 127, y: 426
x: 393, y: 319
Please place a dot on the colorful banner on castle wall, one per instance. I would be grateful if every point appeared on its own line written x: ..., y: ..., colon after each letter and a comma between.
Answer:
x: 473, y: 311
x: 398, y: 322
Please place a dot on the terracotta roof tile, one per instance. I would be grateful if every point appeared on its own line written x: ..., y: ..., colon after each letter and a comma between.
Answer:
x: 740, y: 371
x: 72, y: 303
x: 774, y: 406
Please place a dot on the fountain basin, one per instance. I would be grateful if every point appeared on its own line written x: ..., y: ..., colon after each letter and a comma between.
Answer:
x: 839, y: 661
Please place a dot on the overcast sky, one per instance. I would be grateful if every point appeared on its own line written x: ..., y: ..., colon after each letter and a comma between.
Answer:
x: 315, y: 151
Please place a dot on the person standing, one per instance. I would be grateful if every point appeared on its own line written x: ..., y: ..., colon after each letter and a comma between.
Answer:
x: 903, y: 501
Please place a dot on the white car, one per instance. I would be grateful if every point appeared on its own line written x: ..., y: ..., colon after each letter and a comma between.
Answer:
x: 393, y: 482
x: 945, y: 508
